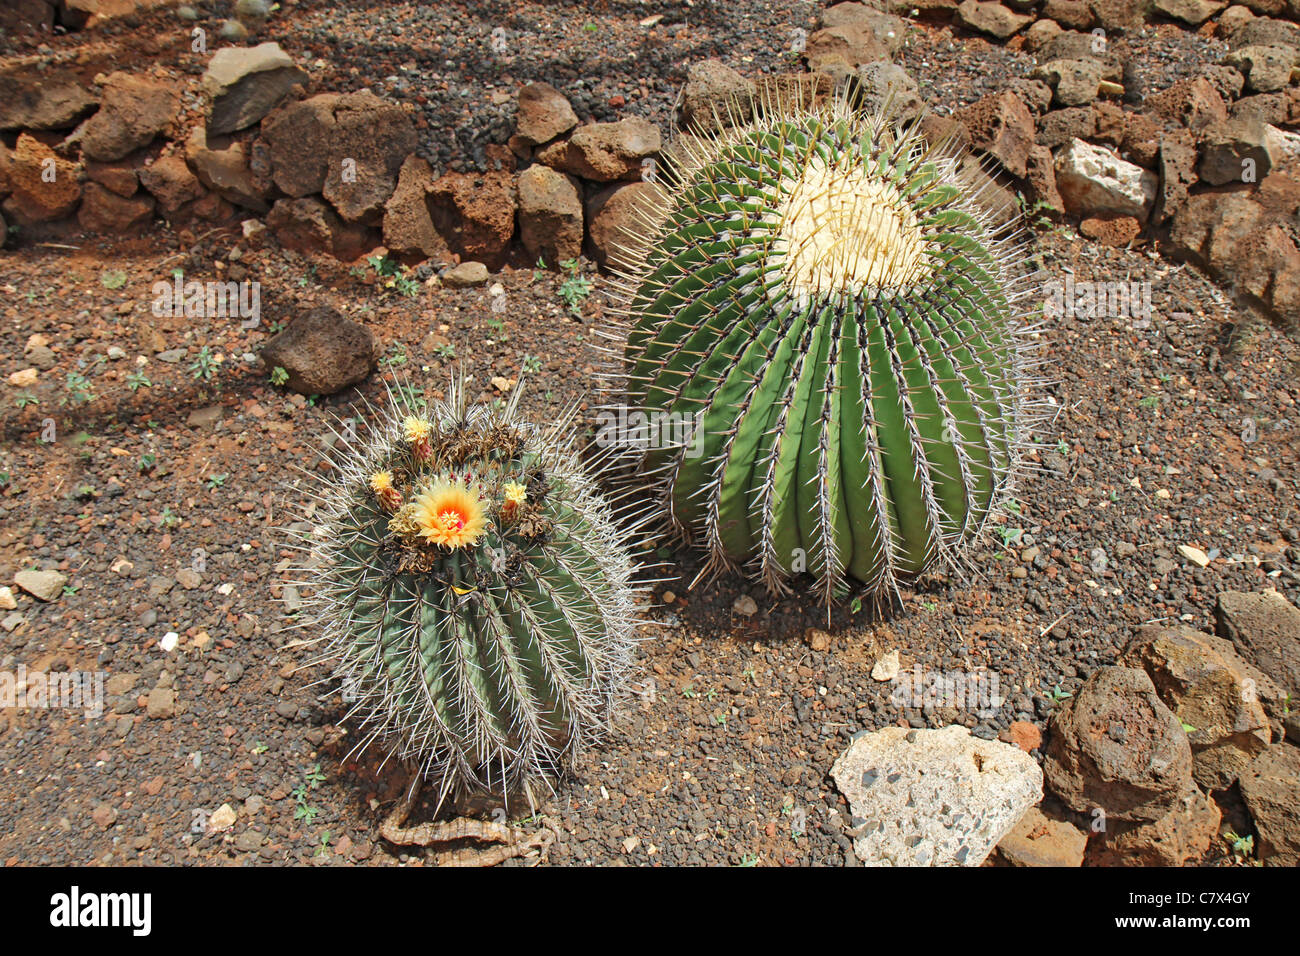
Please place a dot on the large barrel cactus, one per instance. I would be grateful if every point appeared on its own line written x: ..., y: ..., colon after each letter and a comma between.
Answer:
x: 823, y: 298
x: 472, y: 593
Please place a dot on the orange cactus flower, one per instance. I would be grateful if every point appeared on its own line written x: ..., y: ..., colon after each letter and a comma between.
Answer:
x: 449, y: 514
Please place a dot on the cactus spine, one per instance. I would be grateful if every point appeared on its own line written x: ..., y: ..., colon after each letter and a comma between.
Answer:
x: 825, y: 298
x: 472, y: 594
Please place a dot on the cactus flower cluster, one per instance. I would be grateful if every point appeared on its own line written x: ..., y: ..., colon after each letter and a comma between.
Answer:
x: 473, y: 594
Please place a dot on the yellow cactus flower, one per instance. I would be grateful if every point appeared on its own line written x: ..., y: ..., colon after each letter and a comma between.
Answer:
x: 449, y: 514
x: 418, y: 432
x: 516, y: 494
x: 381, y: 483
x: 416, y: 428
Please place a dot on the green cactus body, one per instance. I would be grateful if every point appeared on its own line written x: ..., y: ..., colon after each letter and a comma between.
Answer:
x: 820, y: 293
x: 473, y: 595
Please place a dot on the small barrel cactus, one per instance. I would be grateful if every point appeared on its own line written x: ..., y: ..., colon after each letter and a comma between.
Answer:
x: 473, y: 595
x: 821, y: 295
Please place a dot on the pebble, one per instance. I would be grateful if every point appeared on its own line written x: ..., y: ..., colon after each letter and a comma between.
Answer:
x: 1025, y: 735
x: 43, y: 585
x: 162, y: 703
x: 466, y: 274
x: 886, y: 667
x: 42, y: 357
x: 120, y: 684
x: 818, y: 640
x: 745, y: 606
x: 222, y: 819
x: 104, y: 815
x: 249, y: 841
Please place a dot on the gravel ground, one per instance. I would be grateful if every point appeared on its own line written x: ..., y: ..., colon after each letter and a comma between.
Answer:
x: 1180, y: 431
x: 745, y: 717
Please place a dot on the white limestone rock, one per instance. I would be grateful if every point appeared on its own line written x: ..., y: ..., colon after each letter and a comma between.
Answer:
x: 933, y: 797
x: 1094, y: 180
